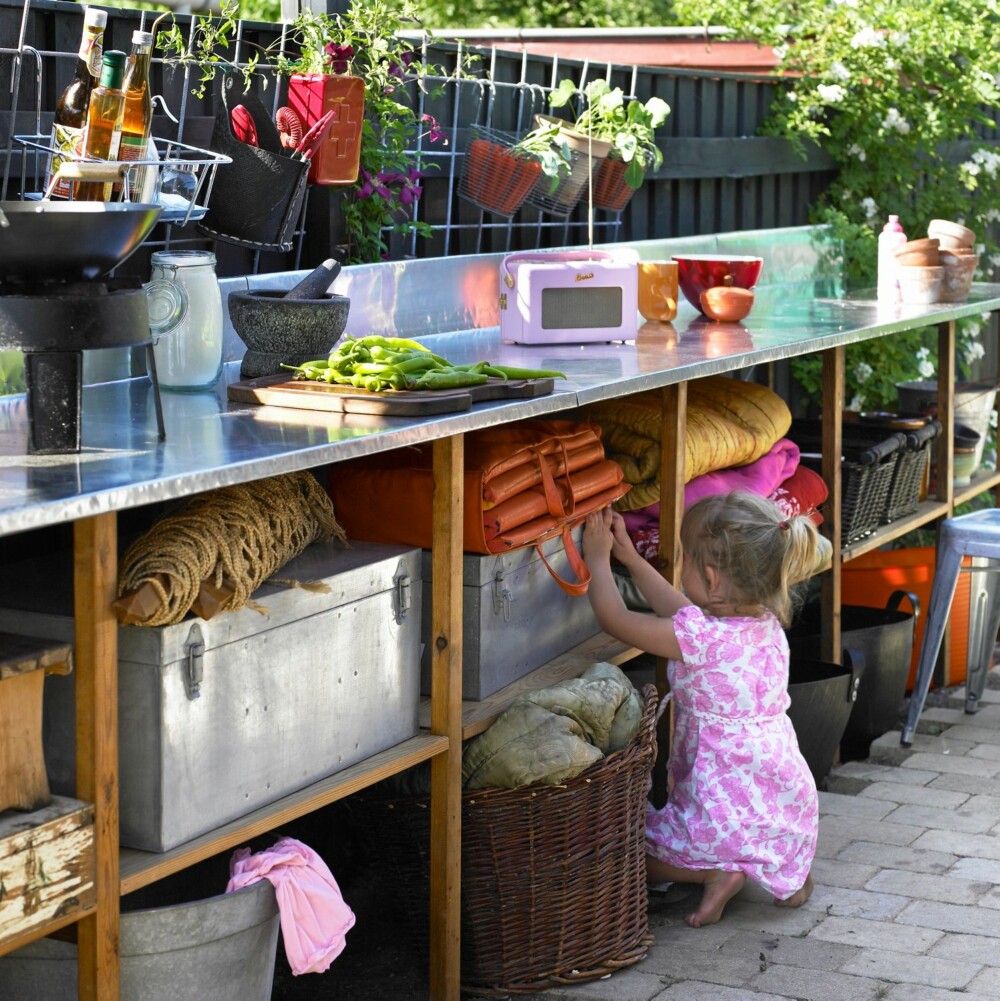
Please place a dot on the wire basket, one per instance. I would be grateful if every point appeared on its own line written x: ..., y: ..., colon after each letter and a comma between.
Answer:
x: 492, y: 176
x: 196, y: 164
x: 553, y: 876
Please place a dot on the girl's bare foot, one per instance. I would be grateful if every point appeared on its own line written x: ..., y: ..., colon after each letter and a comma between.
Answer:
x: 720, y: 888
x: 798, y: 898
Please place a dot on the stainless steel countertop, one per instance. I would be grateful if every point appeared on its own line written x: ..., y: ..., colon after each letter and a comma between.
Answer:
x: 212, y: 442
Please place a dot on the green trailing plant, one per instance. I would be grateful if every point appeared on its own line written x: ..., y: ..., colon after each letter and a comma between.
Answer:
x: 367, y: 41
x: 542, y: 144
x: 628, y: 126
x: 896, y: 92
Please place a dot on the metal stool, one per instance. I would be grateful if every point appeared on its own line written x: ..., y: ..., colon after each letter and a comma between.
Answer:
x: 975, y: 535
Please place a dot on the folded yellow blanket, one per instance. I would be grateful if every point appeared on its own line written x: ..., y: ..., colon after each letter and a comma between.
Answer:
x: 729, y: 423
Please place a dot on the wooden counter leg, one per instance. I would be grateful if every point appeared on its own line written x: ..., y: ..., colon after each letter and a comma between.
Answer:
x: 673, y: 458
x: 95, y: 567
x: 830, y: 584
x: 446, y: 718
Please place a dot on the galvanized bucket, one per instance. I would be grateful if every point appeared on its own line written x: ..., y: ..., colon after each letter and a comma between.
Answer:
x: 221, y: 948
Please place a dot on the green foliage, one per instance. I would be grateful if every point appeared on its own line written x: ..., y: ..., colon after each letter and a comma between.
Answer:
x: 628, y: 127
x: 887, y: 88
x: 542, y: 144
x: 546, y: 13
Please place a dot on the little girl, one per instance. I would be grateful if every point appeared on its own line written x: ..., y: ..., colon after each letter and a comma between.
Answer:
x: 743, y: 802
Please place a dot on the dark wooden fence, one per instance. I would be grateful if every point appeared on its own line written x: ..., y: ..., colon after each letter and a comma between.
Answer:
x: 717, y: 174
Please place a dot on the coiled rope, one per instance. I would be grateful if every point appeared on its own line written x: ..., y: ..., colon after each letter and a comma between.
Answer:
x: 233, y: 537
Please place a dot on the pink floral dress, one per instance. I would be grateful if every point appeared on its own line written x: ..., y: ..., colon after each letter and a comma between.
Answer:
x: 743, y: 797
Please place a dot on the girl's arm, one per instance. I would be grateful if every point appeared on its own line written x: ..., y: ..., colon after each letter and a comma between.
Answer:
x: 663, y: 597
x: 651, y: 633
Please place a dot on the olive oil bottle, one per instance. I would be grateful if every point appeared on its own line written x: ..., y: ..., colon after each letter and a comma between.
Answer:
x: 104, y: 124
x: 70, y: 117
x: 138, y: 116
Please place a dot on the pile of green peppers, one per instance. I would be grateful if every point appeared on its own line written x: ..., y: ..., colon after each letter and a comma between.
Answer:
x: 379, y: 363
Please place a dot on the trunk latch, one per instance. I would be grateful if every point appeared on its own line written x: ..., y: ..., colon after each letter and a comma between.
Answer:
x: 502, y: 595
x: 195, y: 648
x: 401, y: 593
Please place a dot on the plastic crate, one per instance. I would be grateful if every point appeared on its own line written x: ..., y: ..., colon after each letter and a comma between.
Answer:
x: 868, y: 464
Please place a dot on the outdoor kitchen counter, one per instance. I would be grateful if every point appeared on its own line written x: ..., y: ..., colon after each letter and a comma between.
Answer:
x: 211, y: 443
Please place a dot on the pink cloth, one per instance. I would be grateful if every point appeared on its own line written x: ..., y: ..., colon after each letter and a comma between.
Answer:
x: 743, y: 797
x: 759, y: 477
x: 762, y: 477
x: 314, y: 917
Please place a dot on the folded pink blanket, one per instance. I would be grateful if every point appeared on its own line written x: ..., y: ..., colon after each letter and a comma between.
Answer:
x: 314, y: 917
x: 759, y: 477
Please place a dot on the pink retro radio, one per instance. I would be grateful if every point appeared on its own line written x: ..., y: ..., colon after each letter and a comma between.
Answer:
x: 569, y: 297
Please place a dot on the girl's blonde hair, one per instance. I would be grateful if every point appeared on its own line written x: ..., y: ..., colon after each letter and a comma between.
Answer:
x: 758, y: 552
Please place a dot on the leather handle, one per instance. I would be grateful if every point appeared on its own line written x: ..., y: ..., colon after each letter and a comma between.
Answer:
x: 576, y: 588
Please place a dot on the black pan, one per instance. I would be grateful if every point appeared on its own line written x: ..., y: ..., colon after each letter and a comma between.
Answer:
x: 69, y: 240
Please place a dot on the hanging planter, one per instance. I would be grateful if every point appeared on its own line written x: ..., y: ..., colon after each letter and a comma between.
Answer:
x: 611, y: 192
x: 311, y: 96
x: 585, y: 155
x: 497, y: 176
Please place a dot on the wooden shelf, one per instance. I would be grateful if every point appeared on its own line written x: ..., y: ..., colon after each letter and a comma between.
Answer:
x: 139, y: 868
x: 984, y: 479
x: 927, y: 512
x: 477, y: 716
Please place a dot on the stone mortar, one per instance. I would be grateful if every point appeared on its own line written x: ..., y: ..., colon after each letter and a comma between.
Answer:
x: 276, y: 329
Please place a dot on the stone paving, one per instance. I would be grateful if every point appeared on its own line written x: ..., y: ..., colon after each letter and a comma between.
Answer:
x: 907, y: 899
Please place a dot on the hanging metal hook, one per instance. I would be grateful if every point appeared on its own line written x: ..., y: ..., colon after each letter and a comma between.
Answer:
x: 161, y: 100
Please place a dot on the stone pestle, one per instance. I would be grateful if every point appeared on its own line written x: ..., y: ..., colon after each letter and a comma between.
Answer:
x: 316, y: 283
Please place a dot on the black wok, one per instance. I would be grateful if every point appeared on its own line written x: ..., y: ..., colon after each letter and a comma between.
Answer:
x: 69, y: 240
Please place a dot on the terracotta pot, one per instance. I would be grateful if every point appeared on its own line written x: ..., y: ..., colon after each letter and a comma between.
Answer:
x: 956, y: 279
x: 922, y: 253
x: 920, y: 284
x: 951, y: 234
x: 312, y: 95
x: 610, y: 190
x: 496, y: 179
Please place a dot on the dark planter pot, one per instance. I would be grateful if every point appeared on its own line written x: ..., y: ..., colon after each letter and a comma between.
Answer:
x: 823, y: 696
x: 885, y: 637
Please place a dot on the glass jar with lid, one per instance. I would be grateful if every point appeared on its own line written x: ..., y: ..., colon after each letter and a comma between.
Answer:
x: 185, y: 310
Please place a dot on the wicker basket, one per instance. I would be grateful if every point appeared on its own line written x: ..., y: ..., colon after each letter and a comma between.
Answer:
x: 868, y: 465
x: 911, y: 466
x: 553, y: 877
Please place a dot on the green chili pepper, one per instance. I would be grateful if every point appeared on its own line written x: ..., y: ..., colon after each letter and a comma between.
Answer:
x: 453, y: 379
x: 528, y: 373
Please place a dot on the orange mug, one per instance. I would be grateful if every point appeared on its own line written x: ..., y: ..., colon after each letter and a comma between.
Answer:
x: 658, y: 290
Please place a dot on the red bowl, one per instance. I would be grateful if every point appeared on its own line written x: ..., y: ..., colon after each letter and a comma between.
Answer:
x: 698, y: 272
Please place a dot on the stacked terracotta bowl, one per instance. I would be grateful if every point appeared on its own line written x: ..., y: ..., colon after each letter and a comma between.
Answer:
x: 918, y: 264
x: 957, y: 256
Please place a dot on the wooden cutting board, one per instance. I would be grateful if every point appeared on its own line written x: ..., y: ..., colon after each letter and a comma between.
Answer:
x: 280, y: 391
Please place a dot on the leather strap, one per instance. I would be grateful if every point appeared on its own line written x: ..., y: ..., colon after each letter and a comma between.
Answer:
x: 576, y: 588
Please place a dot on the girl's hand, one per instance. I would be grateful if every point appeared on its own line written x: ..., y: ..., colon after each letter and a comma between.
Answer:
x: 597, y: 538
x: 622, y: 548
